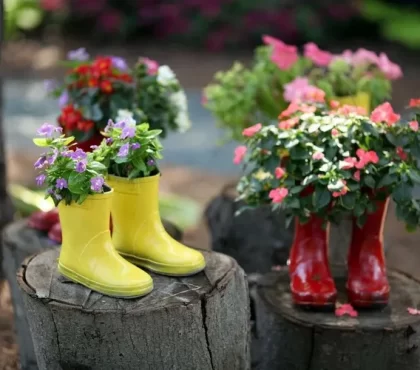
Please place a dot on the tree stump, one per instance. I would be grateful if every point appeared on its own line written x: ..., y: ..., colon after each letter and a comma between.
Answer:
x: 297, y: 339
x: 19, y: 242
x: 198, y: 322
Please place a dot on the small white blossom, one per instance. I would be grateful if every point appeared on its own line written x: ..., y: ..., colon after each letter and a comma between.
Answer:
x: 166, y: 76
x: 126, y: 116
x: 179, y: 99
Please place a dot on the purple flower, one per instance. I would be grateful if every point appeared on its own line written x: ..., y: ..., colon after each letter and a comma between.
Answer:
x: 120, y: 124
x: 128, y: 131
x: 78, y: 154
x: 78, y: 54
x: 51, y: 159
x: 123, y: 152
x: 63, y: 99
x: 109, y: 125
x: 48, y: 130
x: 61, y: 183
x: 135, y: 146
x: 57, y: 196
x: 96, y: 183
x: 67, y: 153
x: 119, y: 63
x: 50, y: 191
x: 50, y: 85
x: 40, y: 179
x: 81, y: 166
x: 151, y: 162
x: 109, y: 140
x: 40, y: 161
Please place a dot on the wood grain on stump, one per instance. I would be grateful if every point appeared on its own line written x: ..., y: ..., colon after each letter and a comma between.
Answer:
x: 20, y: 242
x: 198, y: 322
x: 297, y: 339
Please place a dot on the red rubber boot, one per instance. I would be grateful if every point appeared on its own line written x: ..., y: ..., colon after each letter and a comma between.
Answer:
x: 311, y: 282
x: 367, y: 283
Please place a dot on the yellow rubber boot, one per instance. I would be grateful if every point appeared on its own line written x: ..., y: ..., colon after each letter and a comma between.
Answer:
x: 138, y: 233
x: 361, y: 99
x: 87, y: 255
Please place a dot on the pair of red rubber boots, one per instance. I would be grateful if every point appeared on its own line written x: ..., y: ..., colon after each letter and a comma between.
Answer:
x: 311, y: 280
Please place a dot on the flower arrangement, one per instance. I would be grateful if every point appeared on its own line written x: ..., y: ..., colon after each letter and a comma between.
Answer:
x: 70, y: 175
x: 95, y: 90
x: 130, y: 150
x: 332, y: 161
x: 280, y: 75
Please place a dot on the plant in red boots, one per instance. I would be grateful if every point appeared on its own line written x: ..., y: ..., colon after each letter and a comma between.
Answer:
x: 323, y: 163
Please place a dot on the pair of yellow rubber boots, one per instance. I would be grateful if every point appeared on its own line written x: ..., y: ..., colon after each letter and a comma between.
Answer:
x: 90, y: 256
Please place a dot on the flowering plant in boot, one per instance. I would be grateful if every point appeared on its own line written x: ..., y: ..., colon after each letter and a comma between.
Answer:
x: 70, y: 176
x: 332, y: 161
x: 94, y: 90
x: 280, y: 74
x: 130, y: 150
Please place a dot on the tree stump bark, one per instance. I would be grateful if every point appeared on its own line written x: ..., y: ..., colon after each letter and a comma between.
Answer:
x: 297, y: 339
x: 19, y: 242
x: 198, y: 322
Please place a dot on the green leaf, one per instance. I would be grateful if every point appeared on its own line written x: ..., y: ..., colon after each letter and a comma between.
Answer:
x: 367, y: 127
x: 348, y: 200
x: 296, y: 189
x: 313, y: 127
x: 139, y: 164
x: 298, y: 153
x: 402, y: 193
x: 294, y: 203
x: 97, y: 166
x: 321, y: 198
x: 41, y: 142
x: 369, y: 181
x: 82, y: 198
x: 68, y: 140
x: 388, y: 179
x: 359, y: 209
x: 414, y: 175
x: 78, y: 183
x: 309, y: 179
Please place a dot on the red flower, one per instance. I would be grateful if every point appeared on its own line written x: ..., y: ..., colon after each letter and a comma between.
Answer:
x: 403, y: 155
x: 384, y: 113
x: 83, y: 69
x: 69, y: 117
x: 106, y: 87
x: 85, y: 125
x: 93, y: 82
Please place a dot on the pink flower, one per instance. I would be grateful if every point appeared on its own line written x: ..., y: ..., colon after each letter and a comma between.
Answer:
x: 334, y: 132
x: 283, y: 55
x: 295, y: 89
x: 251, y: 131
x: 414, y: 125
x: 278, y: 195
x: 348, y: 109
x: 52, y: 5
x: 366, y: 158
x: 384, y: 113
x: 350, y: 162
x: 346, y: 309
x: 334, y: 104
x: 152, y: 65
x: 391, y: 70
x: 319, y: 57
x: 292, y: 108
x: 239, y: 155
x: 413, y: 311
x: 279, y: 172
x: 363, y: 56
x: 343, y: 191
x: 356, y: 175
x: 400, y: 152
x: 289, y: 123
x: 318, y: 155
x: 414, y: 103
x: 314, y: 94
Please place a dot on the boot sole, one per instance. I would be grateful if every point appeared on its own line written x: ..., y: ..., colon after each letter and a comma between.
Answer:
x: 159, y: 268
x: 124, y: 293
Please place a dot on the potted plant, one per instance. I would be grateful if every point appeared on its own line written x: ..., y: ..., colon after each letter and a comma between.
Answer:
x: 321, y: 164
x: 76, y: 183
x: 96, y: 89
x: 130, y: 154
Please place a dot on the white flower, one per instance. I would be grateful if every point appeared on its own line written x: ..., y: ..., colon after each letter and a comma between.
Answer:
x: 126, y: 116
x: 179, y: 99
x: 165, y: 76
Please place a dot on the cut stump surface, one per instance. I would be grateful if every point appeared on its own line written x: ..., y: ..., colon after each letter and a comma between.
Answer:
x: 298, y: 339
x: 198, y: 322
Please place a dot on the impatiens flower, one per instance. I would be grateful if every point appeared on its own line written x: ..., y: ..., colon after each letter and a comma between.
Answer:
x: 78, y: 54
x: 318, y: 155
x: 334, y: 132
x: 272, y: 41
x: 96, y: 183
x: 40, y: 162
x: 349, y: 109
x: 319, y: 57
x: 135, y: 146
x: 48, y: 130
x: 413, y: 311
x: 346, y: 309
x: 414, y: 125
x: 384, y: 113
x: 165, y: 76
x: 239, y: 154
x: 414, y: 103
x: 63, y: 99
x: 400, y: 152
x: 348, y: 163
x: 40, y: 179
x: 78, y: 154
x: 292, y: 108
x: 289, y: 123
x: 343, y: 190
x: 334, y: 104
x: 365, y: 158
x: 61, y: 183
x: 124, y: 149
x: 81, y: 166
x: 152, y: 65
x: 119, y: 63
x: 283, y: 55
x: 251, y: 131
x: 390, y: 69
x: 314, y: 94
x: 278, y: 195
x: 363, y: 56
x: 128, y: 132
x: 294, y: 90
x: 279, y: 172
x: 356, y: 175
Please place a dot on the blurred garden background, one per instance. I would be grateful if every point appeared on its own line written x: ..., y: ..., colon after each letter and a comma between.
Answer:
x: 195, y: 38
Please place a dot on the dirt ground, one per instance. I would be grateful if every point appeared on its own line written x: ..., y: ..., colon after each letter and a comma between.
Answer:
x: 31, y: 59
